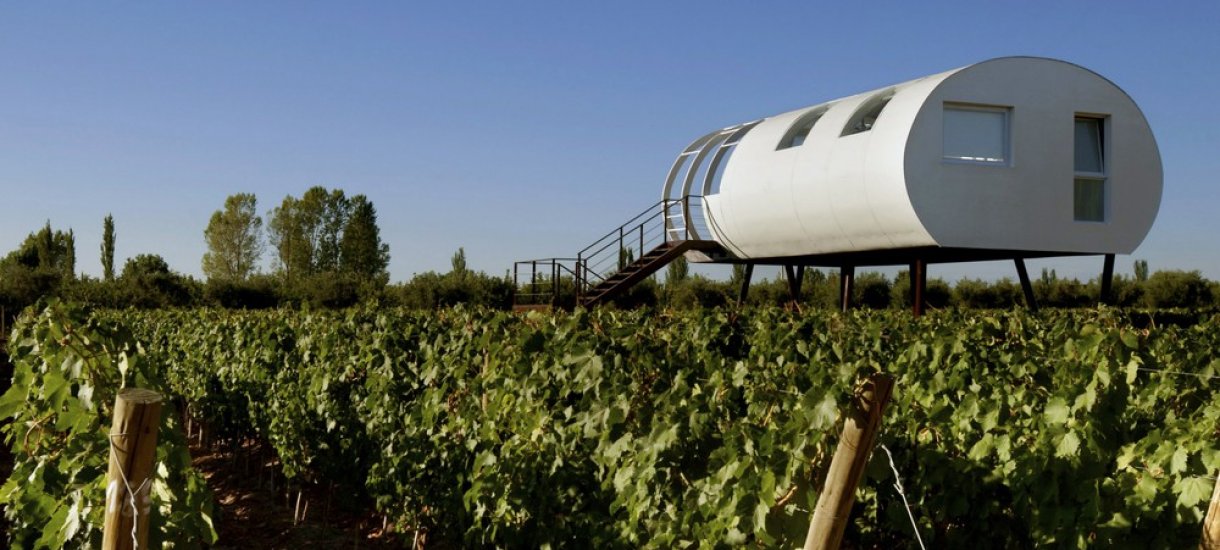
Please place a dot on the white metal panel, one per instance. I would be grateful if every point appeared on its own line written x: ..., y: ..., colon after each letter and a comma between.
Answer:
x: 1028, y: 205
x: 891, y: 187
x: 834, y: 193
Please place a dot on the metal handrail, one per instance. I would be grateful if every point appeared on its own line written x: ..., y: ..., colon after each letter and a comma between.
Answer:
x: 671, y: 217
x: 665, y: 221
x: 559, y: 270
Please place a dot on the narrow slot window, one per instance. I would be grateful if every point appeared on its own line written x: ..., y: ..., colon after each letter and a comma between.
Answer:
x: 868, y: 113
x: 796, y: 135
x: 721, y: 159
x: 1090, y: 182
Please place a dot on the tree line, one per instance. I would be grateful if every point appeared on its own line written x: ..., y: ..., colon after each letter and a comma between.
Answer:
x: 326, y: 251
x: 325, y: 247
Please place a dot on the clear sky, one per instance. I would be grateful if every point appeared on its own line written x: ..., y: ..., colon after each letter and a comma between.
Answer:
x: 513, y: 129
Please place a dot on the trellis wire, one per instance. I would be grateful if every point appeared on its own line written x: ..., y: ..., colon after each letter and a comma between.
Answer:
x: 901, y: 493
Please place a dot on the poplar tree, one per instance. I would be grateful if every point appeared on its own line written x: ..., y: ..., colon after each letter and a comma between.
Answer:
x: 234, y: 239
x: 108, y: 248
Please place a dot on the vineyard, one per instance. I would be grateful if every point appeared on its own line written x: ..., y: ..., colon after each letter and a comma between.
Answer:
x: 624, y: 429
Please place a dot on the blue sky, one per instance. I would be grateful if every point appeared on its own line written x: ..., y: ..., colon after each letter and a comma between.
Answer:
x: 515, y: 130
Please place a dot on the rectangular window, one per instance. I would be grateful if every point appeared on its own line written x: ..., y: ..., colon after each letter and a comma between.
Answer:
x: 1088, y: 146
x: 1090, y: 167
x: 1090, y: 200
x: 976, y: 134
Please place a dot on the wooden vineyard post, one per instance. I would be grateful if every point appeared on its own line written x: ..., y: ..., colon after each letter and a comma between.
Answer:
x: 1211, y: 522
x: 847, y: 466
x: 133, y: 448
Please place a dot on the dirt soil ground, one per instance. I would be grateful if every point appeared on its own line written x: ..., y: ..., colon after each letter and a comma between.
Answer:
x: 250, y: 515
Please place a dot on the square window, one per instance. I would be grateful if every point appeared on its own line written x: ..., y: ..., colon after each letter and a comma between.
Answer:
x: 1090, y: 200
x: 976, y: 134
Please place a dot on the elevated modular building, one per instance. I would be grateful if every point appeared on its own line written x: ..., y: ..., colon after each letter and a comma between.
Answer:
x: 1010, y: 158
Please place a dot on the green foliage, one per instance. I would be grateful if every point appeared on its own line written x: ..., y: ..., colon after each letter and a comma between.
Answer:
x: 977, y: 294
x: 1141, y: 271
x: 937, y: 293
x: 679, y: 270
x: 108, y: 248
x: 1069, y: 293
x: 21, y: 285
x: 307, y: 232
x: 257, y: 292
x: 68, y: 368
x: 47, y: 249
x: 42, y: 265
x: 234, y: 238
x: 871, y: 290
x: 147, y: 282
x: 662, y: 429
x: 431, y: 290
x: 325, y: 238
x: 362, y: 252
x: 1187, y: 289
x: 697, y: 291
x: 458, y: 262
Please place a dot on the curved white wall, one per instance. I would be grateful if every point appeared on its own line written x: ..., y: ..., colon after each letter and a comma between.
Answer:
x: 890, y: 188
x: 1027, y: 205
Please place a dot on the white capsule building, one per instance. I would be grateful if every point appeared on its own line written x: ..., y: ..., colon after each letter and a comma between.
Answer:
x: 1010, y: 158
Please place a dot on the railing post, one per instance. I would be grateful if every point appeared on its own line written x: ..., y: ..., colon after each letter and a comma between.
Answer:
x: 533, y: 279
x: 516, y: 283
x: 641, y: 240
x: 554, y: 282
x: 665, y: 220
x: 686, y: 230
x: 622, y: 262
x: 579, y: 282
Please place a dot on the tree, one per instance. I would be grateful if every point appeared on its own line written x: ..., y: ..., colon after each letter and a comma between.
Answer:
x: 144, y: 266
x: 286, y: 230
x: 148, y: 282
x: 48, y: 250
x: 108, y: 248
x: 677, y: 271
x: 234, y: 238
x: 1176, y: 288
x: 70, y: 255
x: 308, y: 233
x: 361, y: 251
x: 458, y: 261
x: 1141, y: 271
x: 39, y: 267
x: 329, y: 211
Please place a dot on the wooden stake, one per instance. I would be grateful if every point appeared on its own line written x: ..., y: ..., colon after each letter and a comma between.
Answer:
x: 1211, y: 523
x: 847, y: 466
x: 133, y: 449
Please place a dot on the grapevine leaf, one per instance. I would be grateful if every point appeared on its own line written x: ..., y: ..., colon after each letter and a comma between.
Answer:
x: 1057, y: 411
x: 1177, y: 464
x: 1069, y: 446
x: 1132, y: 372
x: 1192, y: 490
x: 12, y: 401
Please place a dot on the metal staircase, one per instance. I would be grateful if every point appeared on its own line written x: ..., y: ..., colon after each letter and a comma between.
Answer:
x: 619, y: 260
